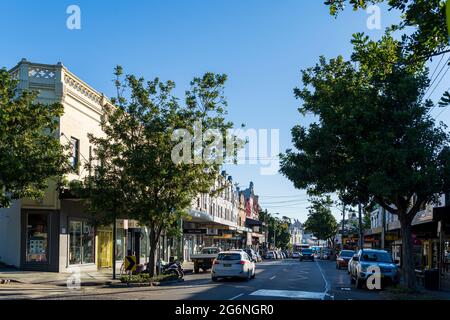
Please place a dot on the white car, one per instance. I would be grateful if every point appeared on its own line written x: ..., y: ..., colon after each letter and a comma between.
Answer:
x: 296, y: 255
x: 233, y: 264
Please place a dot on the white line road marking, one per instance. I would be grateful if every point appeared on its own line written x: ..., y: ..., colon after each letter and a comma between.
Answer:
x: 327, y: 284
x: 272, y: 277
x: 289, y: 294
x: 239, y: 295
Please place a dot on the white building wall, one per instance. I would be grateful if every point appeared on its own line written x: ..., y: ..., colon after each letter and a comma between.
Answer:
x: 10, y: 235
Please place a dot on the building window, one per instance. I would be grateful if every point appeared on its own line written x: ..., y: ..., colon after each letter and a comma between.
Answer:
x: 74, y: 153
x: 37, y: 238
x: 81, y: 242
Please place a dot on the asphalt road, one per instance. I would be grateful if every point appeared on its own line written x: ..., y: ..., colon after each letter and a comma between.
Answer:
x: 275, y: 280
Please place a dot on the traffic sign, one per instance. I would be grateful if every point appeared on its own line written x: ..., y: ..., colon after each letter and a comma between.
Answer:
x: 130, y: 263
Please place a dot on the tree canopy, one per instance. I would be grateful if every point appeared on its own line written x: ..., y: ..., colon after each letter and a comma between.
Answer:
x: 321, y: 222
x: 374, y: 138
x: 30, y: 148
x: 427, y: 18
x: 137, y: 172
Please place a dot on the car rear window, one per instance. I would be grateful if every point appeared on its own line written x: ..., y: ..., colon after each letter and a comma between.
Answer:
x: 307, y: 251
x: 210, y: 251
x: 347, y: 253
x: 229, y: 256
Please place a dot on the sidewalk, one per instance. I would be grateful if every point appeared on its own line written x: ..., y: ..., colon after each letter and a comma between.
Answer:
x: 96, y: 278
x: 92, y: 278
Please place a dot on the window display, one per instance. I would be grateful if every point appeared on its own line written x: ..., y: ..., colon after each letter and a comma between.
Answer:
x: 81, y: 242
x: 37, y: 238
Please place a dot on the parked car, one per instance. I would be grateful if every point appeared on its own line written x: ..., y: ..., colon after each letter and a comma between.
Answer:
x: 371, y: 257
x: 296, y: 255
x: 343, y: 258
x: 205, y: 259
x: 270, y: 255
x: 232, y: 264
x: 306, y: 254
x: 252, y: 254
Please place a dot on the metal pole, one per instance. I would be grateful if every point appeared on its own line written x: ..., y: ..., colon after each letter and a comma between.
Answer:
x: 343, y: 226
x: 361, y: 236
x: 114, y: 248
x: 383, y: 230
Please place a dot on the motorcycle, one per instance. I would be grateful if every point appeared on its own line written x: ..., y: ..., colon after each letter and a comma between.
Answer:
x: 167, y: 268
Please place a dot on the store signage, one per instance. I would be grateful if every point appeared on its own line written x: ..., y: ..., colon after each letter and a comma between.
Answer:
x: 194, y: 231
x: 130, y: 263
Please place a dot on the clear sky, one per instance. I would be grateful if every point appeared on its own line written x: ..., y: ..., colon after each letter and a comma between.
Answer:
x: 260, y: 44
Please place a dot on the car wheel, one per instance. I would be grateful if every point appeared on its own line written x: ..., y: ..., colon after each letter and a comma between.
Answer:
x: 196, y: 269
x: 352, y: 281
x: 254, y: 274
x: 248, y: 276
x: 214, y: 279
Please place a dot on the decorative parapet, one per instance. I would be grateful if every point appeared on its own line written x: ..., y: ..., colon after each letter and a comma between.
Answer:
x: 41, y: 73
x: 82, y: 89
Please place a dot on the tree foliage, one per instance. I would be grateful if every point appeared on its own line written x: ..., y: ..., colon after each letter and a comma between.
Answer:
x: 374, y: 138
x: 427, y: 18
x: 136, y: 176
x: 277, y: 227
x: 321, y: 222
x: 30, y: 148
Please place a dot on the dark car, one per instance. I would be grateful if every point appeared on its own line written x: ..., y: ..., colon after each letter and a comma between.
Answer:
x: 343, y: 258
x: 306, y: 254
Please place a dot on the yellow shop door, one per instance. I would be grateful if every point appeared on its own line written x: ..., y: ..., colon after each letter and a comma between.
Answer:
x: 105, y: 249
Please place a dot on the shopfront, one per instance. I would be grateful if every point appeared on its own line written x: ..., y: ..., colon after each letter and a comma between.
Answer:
x: 39, y: 243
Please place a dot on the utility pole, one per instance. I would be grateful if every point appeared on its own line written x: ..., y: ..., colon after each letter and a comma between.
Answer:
x: 343, y: 226
x: 383, y: 229
x: 361, y: 235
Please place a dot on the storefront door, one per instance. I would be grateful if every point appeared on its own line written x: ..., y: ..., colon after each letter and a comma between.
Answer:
x: 105, y: 238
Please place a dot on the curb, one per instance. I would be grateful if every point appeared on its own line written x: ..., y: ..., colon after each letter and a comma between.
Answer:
x: 144, y: 284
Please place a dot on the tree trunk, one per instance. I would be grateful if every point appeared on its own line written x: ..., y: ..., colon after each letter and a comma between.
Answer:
x: 152, y: 254
x: 409, y: 275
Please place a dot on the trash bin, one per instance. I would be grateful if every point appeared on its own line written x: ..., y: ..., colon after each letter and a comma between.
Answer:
x: 431, y: 279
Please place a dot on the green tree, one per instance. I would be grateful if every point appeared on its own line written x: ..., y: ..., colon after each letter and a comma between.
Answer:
x: 374, y: 139
x: 138, y: 172
x: 321, y: 222
x: 278, y: 228
x: 30, y: 149
x: 426, y: 19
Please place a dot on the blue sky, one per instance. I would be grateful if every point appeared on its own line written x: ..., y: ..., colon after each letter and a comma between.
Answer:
x: 260, y: 44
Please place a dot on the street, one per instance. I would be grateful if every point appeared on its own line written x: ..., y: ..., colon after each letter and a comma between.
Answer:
x: 275, y: 280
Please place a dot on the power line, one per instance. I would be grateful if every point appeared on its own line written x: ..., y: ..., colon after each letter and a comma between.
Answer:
x: 432, y: 83
x: 437, y: 85
x: 443, y: 108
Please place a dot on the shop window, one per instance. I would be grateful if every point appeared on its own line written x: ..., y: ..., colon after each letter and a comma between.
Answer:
x: 37, y: 238
x: 81, y: 242
x: 74, y: 153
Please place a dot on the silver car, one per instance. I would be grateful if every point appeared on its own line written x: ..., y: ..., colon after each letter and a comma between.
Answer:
x: 359, y: 264
x: 231, y: 264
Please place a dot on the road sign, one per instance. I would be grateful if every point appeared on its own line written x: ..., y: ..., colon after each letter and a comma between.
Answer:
x: 130, y: 263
